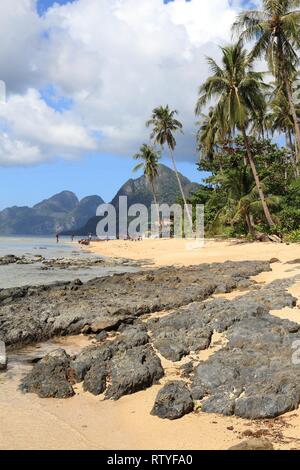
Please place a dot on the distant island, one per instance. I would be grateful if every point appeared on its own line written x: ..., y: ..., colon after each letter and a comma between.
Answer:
x: 66, y: 214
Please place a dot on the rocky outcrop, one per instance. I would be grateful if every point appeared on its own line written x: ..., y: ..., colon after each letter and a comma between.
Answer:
x: 120, y: 368
x: 13, y: 259
x: 254, y: 374
x: 31, y: 314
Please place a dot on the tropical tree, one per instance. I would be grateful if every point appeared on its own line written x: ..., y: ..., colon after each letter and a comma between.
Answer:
x: 209, y: 134
x: 241, y: 202
x: 149, y: 164
x: 280, y: 118
x: 276, y: 32
x: 164, y: 124
x: 239, y: 92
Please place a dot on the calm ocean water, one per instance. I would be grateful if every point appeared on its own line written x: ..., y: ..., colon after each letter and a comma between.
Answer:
x: 18, y: 275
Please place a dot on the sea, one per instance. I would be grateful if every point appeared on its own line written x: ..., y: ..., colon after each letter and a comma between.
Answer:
x: 16, y: 275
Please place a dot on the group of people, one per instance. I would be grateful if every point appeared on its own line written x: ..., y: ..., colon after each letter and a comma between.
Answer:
x: 72, y: 237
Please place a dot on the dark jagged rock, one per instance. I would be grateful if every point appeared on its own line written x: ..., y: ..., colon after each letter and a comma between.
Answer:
x: 89, y: 357
x: 32, y: 314
x: 254, y: 376
x: 173, y: 401
x: 49, y: 377
x: 8, y: 259
x: 95, y: 379
x: 186, y: 369
x: 190, y: 328
x: 137, y: 369
x: 102, y: 336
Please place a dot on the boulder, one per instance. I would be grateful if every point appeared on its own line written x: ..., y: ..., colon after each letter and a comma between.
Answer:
x: 173, y: 401
x: 49, y: 377
x: 136, y: 369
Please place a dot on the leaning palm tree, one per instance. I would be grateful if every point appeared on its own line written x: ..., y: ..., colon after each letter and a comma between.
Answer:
x: 164, y: 125
x: 239, y: 92
x: 276, y: 31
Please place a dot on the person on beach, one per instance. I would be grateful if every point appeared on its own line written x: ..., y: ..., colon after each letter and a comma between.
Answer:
x: 57, y: 238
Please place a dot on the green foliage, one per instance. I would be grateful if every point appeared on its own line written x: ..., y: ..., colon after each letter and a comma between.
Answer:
x: 232, y: 203
x: 293, y: 237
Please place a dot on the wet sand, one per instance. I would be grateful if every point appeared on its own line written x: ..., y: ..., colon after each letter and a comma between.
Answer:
x: 88, y: 422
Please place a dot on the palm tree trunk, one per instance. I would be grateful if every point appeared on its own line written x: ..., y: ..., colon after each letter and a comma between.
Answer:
x: 250, y: 225
x: 257, y: 180
x: 293, y: 148
x: 181, y: 188
x: 294, y: 114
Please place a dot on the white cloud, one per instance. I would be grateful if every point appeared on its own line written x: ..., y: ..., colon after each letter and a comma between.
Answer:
x: 41, y: 132
x: 17, y: 152
x: 116, y: 59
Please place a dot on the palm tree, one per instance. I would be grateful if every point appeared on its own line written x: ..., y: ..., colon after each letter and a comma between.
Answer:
x: 149, y: 165
x: 209, y: 135
x: 164, y: 125
x: 242, y: 202
x: 239, y: 92
x: 277, y: 34
x: 280, y: 118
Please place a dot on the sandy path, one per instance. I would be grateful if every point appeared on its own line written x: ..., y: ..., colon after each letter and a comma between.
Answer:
x: 88, y: 422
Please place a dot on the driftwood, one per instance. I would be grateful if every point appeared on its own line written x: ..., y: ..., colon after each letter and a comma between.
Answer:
x: 264, y: 237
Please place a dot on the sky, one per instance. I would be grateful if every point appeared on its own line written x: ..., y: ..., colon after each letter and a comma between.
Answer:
x: 83, y: 76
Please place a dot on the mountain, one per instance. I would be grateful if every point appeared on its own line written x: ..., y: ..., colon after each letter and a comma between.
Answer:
x: 65, y: 214
x: 138, y: 191
x: 167, y: 190
x: 62, y: 211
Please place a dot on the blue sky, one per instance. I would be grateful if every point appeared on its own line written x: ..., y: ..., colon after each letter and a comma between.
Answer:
x: 57, y: 108
x: 42, y: 5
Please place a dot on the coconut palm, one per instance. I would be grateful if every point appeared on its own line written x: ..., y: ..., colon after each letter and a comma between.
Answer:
x: 239, y: 92
x: 164, y: 124
x: 209, y: 134
x: 280, y: 118
x: 242, y: 202
x: 276, y: 32
x: 149, y: 164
